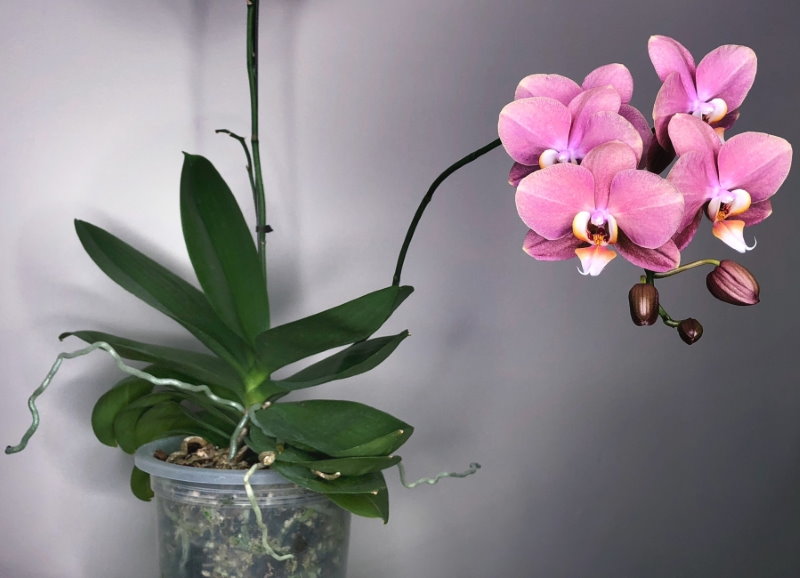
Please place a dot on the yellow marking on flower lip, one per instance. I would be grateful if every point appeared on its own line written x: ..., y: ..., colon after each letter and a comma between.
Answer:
x: 731, y: 232
x: 580, y: 226
x: 718, y: 112
x: 594, y: 259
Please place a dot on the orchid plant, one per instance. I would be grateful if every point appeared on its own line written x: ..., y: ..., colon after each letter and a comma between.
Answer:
x: 587, y: 173
x: 588, y: 170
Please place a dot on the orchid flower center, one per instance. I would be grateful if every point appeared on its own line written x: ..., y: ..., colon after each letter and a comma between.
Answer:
x: 712, y: 111
x: 551, y: 157
x: 597, y: 227
x: 725, y: 204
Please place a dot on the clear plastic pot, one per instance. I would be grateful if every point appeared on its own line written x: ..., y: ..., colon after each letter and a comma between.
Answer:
x: 208, y: 527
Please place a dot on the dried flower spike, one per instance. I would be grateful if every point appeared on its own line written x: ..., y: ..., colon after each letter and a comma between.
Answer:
x: 732, y: 283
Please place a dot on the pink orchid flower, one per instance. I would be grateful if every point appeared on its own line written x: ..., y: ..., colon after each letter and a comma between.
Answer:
x: 724, y: 180
x: 602, y: 204
x: 713, y: 90
x: 540, y: 131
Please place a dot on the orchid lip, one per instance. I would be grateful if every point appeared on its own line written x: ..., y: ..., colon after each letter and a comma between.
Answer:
x: 727, y: 204
x: 712, y: 111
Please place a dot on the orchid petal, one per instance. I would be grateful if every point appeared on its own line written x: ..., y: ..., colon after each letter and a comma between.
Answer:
x: 616, y: 75
x: 603, y: 127
x: 756, y: 213
x: 605, y: 161
x: 639, y: 122
x: 647, y: 208
x: 728, y: 73
x: 548, y: 200
x: 671, y: 99
x: 530, y: 125
x: 695, y: 176
x: 670, y: 56
x: 519, y: 172
x: 689, y: 133
x: 731, y: 232
x: 546, y: 250
x: 554, y: 86
x: 594, y: 259
x: 659, y: 259
x: 589, y: 102
x: 685, y: 235
x: 756, y: 162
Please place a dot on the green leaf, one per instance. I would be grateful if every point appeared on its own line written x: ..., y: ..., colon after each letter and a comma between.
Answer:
x: 358, y: 358
x: 221, y: 249
x: 205, y: 369
x: 165, y: 291
x: 125, y: 423
x: 302, y: 476
x: 353, y: 321
x: 367, y: 505
x: 164, y: 420
x: 112, y: 402
x: 351, y: 466
x: 333, y: 427
x: 140, y: 484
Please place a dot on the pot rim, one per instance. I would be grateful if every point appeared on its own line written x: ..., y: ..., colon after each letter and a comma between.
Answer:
x: 145, y: 461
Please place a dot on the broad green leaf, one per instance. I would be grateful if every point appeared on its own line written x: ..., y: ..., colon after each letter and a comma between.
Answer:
x: 302, y: 476
x: 333, y: 427
x: 221, y: 249
x: 140, y: 484
x: 112, y: 402
x: 165, y: 291
x: 164, y: 420
x: 358, y: 358
x: 353, y: 321
x: 351, y: 466
x: 367, y: 505
x: 126, y: 421
x: 205, y: 369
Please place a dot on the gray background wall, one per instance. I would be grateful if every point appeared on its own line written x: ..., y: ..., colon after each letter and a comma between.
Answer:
x: 608, y: 450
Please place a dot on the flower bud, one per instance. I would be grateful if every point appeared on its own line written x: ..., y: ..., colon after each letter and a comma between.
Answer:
x: 732, y: 283
x: 690, y: 330
x: 643, y: 302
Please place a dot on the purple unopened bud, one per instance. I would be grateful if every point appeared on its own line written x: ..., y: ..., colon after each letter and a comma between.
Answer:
x: 643, y: 302
x: 732, y: 283
x: 690, y: 330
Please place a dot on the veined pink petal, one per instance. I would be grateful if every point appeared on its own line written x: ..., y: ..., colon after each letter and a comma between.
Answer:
x: 594, y: 259
x: 648, y: 208
x: 671, y: 99
x: 639, y: 122
x: 660, y: 259
x: 589, y: 102
x: 685, y: 235
x: 756, y: 162
x: 756, y: 213
x: 548, y: 200
x: 529, y: 126
x: 670, y: 56
x: 728, y: 73
x: 731, y: 232
x: 555, y: 86
x: 606, y: 161
x: 616, y: 75
x: 518, y: 172
x: 689, y: 133
x: 603, y: 127
x: 546, y: 250
x: 695, y: 176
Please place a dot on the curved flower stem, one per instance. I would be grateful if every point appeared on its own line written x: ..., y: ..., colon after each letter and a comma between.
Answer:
x: 258, y: 180
x: 669, y: 321
x: 686, y: 267
x: 427, y: 199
